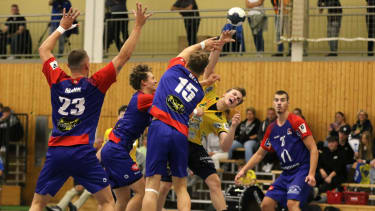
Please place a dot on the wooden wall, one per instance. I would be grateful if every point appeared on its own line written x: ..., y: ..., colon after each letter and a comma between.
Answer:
x: 319, y: 88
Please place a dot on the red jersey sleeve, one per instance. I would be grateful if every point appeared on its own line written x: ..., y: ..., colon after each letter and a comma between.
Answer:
x: 299, y: 125
x: 53, y: 72
x: 144, y: 101
x: 105, y: 77
x: 176, y: 61
x: 266, y: 144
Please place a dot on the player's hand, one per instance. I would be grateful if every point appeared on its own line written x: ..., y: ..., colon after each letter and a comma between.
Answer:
x: 236, y: 119
x: 212, y: 44
x: 68, y: 18
x: 140, y: 15
x: 328, y: 180
x: 212, y: 79
x: 199, y: 113
x: 239, y: 175
x: 310, y: 179
x: 226, y: 36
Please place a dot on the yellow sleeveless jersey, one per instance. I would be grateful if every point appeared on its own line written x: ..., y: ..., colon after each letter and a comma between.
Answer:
x: 132, y: 152
x: 212, y: 121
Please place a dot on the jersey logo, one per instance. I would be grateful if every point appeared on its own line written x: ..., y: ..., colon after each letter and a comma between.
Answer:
x: 64, y: 124
x: 75, y: 89
x: 302, y: 128
x: 135, y: 167
x: 53, y: 65
x: 175, y: 104
x: 208, y: 89
x: 267, y: 143
x: 294, y: 189
x: 217, y: 125
x: 289, y: 131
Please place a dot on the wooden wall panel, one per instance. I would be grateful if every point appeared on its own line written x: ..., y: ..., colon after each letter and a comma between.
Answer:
x: 318, y: 88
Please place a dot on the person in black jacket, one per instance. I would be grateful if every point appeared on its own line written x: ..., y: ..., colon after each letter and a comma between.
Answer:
x: 246, y: 135
x: 332, y: 167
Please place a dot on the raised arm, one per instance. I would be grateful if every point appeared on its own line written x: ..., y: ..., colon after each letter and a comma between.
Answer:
x: 66, y: 23
x: 226, y: 36
x: 127, y: 49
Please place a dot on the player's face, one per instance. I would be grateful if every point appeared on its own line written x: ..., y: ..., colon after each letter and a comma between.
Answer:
x: 232, y: 98
x: 280, y: 103
x: 151, y: 82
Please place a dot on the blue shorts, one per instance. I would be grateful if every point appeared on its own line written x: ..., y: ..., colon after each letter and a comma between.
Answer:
x: 120, y: 167
x: 165, y: 145
x: 291, y: 185
x: 78, y: 161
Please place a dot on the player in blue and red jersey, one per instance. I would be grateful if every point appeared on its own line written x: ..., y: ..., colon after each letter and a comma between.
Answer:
x: 121, y: 169
x: 76, y: 103
x: 291, y: 139
x: 177, y: 95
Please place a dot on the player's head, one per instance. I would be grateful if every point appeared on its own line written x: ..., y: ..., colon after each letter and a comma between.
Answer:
x: 234, y: 97
x: 281, y: 101
x: 197, y: 63
x: 142, y: 78
x: 14, y: 9
x: 271, y: 114
x: 250, y: 113
x: 121, y: 111
x: 333, y: 142
x: 78, y: 62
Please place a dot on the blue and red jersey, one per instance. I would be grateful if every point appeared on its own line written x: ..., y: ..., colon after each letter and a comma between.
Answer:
x: 76, y: 103
x: 287, y: 142
x: 134, y: 122
x: 177, y: 95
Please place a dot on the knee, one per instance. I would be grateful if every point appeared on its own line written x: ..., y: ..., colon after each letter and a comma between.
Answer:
x: 267, y: 205
x: 165, y: 187
x: 213, y: 182
x: 292, y: 204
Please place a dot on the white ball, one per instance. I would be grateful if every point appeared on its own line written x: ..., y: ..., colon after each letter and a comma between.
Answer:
x: 236, y: 16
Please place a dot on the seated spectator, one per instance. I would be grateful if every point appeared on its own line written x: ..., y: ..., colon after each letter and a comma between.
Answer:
x: 298, y: 112
x: 331, y: 167
x: 271, y: 158
x: 365, y: 152
x: 246, y: 134
x: 363, y: 124
x: 18, y: 36
x: 334, y: 127
x: 214, y: 150
x: 344, y: 133
x: 10, y: 127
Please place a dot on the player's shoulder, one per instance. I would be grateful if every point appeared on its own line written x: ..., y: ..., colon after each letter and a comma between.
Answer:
x: 270, y: 127
x: 295, y: 119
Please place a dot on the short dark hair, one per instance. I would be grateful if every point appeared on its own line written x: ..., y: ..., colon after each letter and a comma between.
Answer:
x: 332, y: 138
x: 241, y: 90
x: 14, y: 5
x: 139, y: 74
x: 252, y: 109
x: 75, y: 58
x: 122, y: 109
x: 282, y: 92
x: 198, y: 62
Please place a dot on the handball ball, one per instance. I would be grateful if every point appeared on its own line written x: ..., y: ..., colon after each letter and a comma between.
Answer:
x: 236, y: 16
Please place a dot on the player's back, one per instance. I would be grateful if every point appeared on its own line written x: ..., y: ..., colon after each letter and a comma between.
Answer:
x: 76, y: 103
x: 177, y: 95
x: 134, y: 122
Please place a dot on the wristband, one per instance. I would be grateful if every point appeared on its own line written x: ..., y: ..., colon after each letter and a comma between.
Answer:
x: 203, y: 45
x: 195, y: 112
x: 61, y: 30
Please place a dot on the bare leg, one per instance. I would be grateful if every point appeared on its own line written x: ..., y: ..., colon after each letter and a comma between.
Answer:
x: 163, y: 193
x: 39, y: 202
x: 151, y: 193
x: 105, y: 199
x: 183, y: 198
x: 217, y: 197
x: 268, y: 204
x: 293, y: 205
x: 123, y: 196
x: 135, y: 203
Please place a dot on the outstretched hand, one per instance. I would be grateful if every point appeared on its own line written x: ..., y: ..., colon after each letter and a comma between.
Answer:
x: 140, y: 15
x: 68, y: 18
x: 226, y: 36
x: 212, y: 44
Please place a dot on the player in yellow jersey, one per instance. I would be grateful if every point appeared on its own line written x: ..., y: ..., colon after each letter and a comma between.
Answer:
x: 209, y: 117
